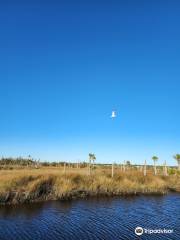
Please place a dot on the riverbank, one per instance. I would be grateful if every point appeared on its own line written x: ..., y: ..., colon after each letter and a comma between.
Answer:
x: 23, y: 186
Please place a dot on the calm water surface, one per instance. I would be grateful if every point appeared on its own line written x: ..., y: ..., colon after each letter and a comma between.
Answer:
x: 103, y: 218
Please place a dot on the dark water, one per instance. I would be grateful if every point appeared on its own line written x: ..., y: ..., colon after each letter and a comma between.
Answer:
x: 103, y: 218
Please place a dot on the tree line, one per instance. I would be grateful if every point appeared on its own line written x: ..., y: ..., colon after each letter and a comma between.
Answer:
x: 29, y: 161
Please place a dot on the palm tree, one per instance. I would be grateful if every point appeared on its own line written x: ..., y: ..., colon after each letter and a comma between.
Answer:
x: 177, y: 157
x: 155, y: 158
x: 92, y: 158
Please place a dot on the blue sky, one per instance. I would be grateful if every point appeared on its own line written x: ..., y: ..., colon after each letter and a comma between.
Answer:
x: 65, y: 66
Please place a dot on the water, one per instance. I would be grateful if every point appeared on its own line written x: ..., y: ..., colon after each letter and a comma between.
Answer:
x: 102, y: 218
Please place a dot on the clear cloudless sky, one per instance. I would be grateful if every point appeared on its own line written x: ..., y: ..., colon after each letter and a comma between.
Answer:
x: 65, y: 65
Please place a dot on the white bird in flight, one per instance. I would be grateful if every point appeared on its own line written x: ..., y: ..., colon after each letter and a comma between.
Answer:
x: 113, y: 114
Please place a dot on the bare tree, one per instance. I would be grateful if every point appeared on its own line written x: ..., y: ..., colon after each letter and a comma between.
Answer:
x: 64, y: 167
x: 165, y: 169
x: 145, y: 171
x: 112, y: 172
x: 124, y: 166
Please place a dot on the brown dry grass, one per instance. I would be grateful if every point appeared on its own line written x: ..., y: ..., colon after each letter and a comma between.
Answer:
x: 26, y: 185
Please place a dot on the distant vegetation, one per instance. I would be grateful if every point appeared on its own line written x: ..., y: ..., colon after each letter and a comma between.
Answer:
x: 30, y: 161
x: 17, y: 161
x: 10, y: 163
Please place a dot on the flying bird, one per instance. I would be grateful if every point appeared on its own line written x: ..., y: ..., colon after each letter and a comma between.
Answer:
x: 113, y: 114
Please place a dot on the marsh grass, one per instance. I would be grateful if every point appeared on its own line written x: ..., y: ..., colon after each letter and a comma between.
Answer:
x: 28, y: 185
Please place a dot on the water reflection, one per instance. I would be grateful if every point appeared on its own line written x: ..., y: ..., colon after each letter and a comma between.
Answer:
x: 24, y: 211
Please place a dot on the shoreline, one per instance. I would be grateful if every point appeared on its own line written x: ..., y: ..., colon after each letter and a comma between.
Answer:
x: 17, y: 198
x: 14, y: 198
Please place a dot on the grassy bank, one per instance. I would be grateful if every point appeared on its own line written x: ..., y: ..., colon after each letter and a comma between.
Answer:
x: 28, y: 185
